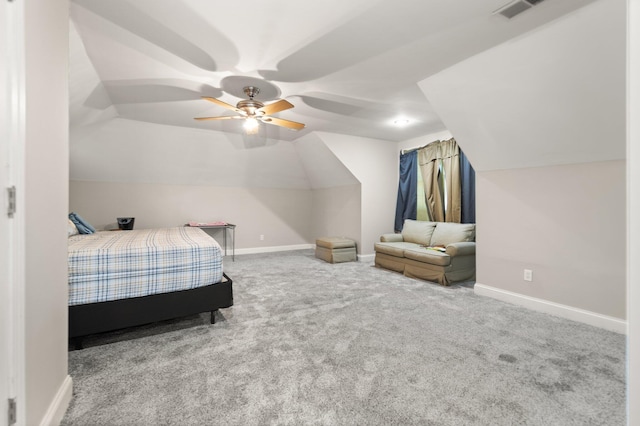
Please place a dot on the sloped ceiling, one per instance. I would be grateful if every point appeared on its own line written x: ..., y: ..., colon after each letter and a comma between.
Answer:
x: 556, y: 96
x: 349, y: 68
x: 323, y: 168
x: 174, y: 155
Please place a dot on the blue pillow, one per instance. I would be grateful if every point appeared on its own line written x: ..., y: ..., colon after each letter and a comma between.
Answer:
x: 83, y: 226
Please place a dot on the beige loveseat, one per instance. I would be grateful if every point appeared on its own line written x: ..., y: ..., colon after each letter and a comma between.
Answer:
x: 442, y: 252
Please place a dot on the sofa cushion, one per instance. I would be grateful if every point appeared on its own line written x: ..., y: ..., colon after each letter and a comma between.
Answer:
x: 335, y: 242
x: 426, y: 255
x: 391, y: 238
x: 418, y: 231
x: 393, y: 249
x: 447, y: 233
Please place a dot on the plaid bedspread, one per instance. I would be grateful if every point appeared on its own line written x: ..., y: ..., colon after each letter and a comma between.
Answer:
x: 113, y: 265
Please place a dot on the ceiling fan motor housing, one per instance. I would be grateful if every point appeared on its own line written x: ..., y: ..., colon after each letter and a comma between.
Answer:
x: 249, y: 106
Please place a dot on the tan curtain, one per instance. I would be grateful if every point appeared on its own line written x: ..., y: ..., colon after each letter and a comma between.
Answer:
x: 451, y: 166
x: 429, y: 161
x: 440, y: 167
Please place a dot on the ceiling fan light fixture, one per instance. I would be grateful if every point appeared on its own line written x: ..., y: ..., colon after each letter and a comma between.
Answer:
x: 251, y: 125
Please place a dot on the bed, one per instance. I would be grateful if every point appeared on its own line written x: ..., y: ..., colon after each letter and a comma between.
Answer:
x: 120, y: 279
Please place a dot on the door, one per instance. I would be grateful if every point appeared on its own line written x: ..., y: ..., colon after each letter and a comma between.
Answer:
x: 5, y: 239
x: 11, y: 167
x: 5, y: 232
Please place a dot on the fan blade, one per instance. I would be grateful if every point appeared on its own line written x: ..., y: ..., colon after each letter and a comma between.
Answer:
x: 222, y: 104
x: 226, y: 117
x: 281, y: 105
x: 284, y: 123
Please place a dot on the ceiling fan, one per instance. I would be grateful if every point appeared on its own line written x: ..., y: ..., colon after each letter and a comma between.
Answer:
x: 254, y: 111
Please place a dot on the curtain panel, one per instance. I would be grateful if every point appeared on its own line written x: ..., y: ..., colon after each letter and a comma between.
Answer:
x: 468, y: 184
x: 440, y: 167
x: 450, y: 154
x: 428, y: 159
x: 448, y: 180
x: 407, y: 202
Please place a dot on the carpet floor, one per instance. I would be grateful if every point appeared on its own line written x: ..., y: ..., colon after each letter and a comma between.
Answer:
x: 311, y: 343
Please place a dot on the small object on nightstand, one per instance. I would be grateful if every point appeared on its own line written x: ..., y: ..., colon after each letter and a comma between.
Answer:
x: 126, y: 223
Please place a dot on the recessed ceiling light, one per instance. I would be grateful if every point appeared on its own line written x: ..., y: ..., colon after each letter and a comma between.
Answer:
x: 401, y: 121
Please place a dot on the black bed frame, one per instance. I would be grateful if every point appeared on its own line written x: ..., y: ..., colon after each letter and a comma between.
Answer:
x: 100, y: 317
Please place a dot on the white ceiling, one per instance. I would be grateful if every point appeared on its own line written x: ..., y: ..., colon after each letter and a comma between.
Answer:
x: 349, y: 67
x: 554, y: 96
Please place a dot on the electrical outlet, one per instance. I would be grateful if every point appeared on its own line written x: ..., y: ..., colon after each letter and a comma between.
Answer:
x: 261, y: 237
x: 528, y: 275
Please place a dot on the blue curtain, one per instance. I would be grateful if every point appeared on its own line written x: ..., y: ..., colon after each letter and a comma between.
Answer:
x: 468, y: 194
x: 407, y: 204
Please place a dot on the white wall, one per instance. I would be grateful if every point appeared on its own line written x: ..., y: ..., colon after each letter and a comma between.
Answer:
x: 336, y: 212
x: 565, y: 223
x: 281, y: 215
x: 287, y: 216
x: 333, y: 165
x: 633, y: 208
x: 336, y: 205
x: 46, y: 201
x: 374, y: 163
x: 542, y: 120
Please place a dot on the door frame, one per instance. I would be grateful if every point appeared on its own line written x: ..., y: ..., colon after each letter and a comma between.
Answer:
x: 13, y: 112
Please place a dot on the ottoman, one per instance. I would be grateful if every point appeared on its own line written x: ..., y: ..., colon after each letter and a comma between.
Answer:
x: 336, y: 249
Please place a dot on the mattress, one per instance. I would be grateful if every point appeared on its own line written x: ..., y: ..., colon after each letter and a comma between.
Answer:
x: 112, y: 265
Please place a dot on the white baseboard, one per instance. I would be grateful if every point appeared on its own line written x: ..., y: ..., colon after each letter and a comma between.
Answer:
x: 59, y: 405
x: 255, y: 250
x: 564, y: 311
x: 272, y: 249
x: 366, y: 257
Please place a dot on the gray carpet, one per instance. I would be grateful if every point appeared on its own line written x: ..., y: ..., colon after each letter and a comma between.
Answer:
x: 310, y: 343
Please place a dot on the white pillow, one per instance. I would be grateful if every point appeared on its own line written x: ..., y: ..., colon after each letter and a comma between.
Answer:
x: 71, y: 228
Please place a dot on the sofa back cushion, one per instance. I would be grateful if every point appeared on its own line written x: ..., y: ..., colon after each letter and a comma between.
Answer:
x: 447, y: 233
x: 417, y: 231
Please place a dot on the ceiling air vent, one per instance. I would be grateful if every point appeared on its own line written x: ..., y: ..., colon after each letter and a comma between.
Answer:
x: 515, y: 8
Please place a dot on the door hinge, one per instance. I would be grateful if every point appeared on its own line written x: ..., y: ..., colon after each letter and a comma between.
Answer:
x: 12, y: 411
x: 11, y: 198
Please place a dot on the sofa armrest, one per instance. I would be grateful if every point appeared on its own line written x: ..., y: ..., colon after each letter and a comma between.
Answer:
x: 461, y: 249
x: 391, y: 238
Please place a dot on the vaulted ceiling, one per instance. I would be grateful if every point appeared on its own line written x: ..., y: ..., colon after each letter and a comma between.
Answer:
x: 349, y: 67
